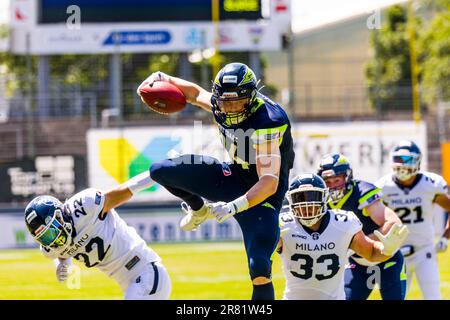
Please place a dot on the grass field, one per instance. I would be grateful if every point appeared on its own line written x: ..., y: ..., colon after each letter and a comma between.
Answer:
x: 198, y: 271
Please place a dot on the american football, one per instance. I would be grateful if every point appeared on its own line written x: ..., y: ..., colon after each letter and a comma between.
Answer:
x: 163, y: 97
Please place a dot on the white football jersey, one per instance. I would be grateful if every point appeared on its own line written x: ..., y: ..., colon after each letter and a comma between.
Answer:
x: 109, y: 243
x: 414, y: 205
x: 314, y: 262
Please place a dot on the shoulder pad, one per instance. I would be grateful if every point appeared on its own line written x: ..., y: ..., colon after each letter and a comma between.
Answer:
x: 87, y: 202
x: 347, y: 220
x: 368, y: 194
x: 437, y: 181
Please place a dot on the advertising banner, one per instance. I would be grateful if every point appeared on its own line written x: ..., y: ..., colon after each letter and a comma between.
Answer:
x: 60, y: 176
x: 154, y: 226
x: 116, y: 155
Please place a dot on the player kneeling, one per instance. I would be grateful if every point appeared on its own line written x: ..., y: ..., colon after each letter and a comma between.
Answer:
x: 87, y: 228
x: 314, y: 242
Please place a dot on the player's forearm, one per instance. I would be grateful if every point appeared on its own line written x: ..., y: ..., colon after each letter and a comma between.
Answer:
x: 374, y: 254
x: 117, y: 196
x: 190, y: 90
x: 389, y: 218
x: 264, y: 188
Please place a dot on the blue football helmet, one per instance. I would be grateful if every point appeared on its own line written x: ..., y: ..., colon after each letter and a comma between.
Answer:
x: 332, y: 165
x: 47, y: 222
x: 308, y: 197
x: 405, y: 157
x: 234, y: 82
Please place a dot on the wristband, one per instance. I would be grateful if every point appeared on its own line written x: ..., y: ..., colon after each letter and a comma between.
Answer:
x: 240, y: 204
x: 139, y: 182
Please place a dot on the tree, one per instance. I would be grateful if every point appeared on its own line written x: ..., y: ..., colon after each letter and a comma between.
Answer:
x: 435, y: 55
x: 388, y: 73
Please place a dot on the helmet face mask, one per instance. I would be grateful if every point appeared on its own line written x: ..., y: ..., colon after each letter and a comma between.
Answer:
x: 332, y: 167
x: 308, y: 199
x: 234, y: 90
x: 405, y: 159
x: 45, y: 219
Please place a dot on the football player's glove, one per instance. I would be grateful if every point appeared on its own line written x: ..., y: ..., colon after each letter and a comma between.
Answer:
x: 441, y: 245
x: 63, y: 270
x: 155, y: 76
x: 393, y: 239
x: 223, y: 210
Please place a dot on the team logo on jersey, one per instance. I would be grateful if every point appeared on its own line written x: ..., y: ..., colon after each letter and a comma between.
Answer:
x: 315, y: 235
x: 98, y: 197
x: 299, y: 236
x: 226, y: 170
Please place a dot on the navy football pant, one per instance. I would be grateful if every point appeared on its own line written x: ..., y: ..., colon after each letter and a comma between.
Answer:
x: 193, y: 177
x: 390, y: 276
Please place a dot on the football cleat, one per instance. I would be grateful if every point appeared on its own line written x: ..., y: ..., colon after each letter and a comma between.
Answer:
x: 193, y: 219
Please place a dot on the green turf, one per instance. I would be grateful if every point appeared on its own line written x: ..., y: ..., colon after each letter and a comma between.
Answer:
x: 197, y: 270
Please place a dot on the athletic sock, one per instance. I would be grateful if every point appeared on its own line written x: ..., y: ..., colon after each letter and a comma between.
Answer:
x: 263, y: 292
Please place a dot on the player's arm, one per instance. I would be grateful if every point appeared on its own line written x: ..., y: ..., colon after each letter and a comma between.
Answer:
x: 382, y: 216
x: 268, y: 164
x: 368, y: 248
x: 382, y: 249
x: 123, y: 192
x: 443, y: 200
x: 194, y: 94
x: 279, y: 247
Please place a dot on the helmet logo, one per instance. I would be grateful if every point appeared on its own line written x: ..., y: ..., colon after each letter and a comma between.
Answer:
x: 227, y: 95
x: 230, y: 79
x: 31, y: 216
x: 328, y: 173
x: 315, y: 236
x: 328, y: 160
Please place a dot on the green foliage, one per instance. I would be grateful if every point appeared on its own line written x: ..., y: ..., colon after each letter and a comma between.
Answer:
x: 435, y: 58
x: 388, y: 73
x: 80, y: 70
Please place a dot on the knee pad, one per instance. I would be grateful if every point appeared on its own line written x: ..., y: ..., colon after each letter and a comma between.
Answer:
x: 260, y: 267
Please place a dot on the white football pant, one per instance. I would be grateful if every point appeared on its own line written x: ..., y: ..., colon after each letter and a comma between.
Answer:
x: 424, y: 265
x: 152, y: 284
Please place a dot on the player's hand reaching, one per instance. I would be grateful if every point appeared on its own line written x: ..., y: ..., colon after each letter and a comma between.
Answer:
x: 393, y: 239
x: 222, y: 211
x: 441, y: 245
x: 62, y: 271
x: 155, y: 76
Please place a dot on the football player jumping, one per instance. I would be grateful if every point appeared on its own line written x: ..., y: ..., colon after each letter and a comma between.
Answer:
x: 256, y: 132
x: 86, y: 227
x: 412, y: 194
x: 315, y: 240
x: 364, y: 199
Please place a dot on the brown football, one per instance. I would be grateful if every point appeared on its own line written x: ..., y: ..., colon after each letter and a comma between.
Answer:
x: 163, y: 97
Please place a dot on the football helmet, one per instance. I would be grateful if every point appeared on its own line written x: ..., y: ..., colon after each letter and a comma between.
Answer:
x: 308, y: 197
x: 332, y: 165
x: 405, y: 157
x: 234, y: 82
x: 47, y: 222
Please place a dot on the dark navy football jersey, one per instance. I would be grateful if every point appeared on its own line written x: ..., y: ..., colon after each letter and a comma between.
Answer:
x: 267, y: 122
x: 357, y: 199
